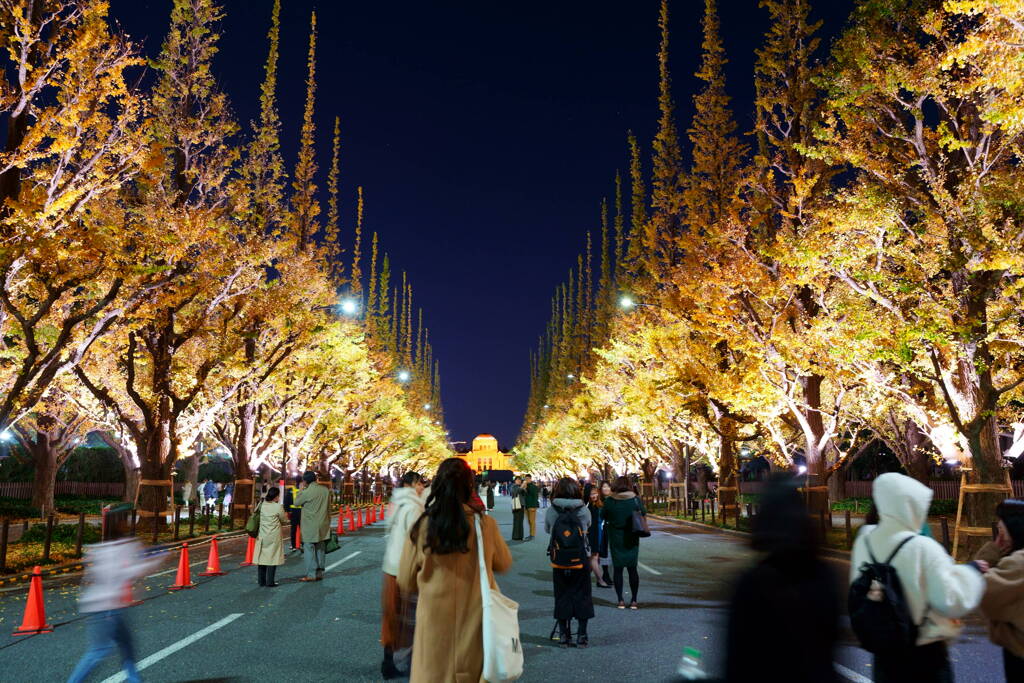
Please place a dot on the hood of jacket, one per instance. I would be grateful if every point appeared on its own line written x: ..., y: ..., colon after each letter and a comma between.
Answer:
x: 406, y: 494
x: 902, y: 502
x: 623, y: 495
x: 571, y: 503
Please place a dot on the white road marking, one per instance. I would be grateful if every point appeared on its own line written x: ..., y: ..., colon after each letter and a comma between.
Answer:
x: 171, y: 571
x: 644, y: 566
x: 344, y: 559
x: 682, y: 538
x: 171, y: 649
x: 850, y: 674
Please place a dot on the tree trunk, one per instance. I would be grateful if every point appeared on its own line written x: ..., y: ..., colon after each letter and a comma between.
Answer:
x: 817, y: 485
x: 44, y: 480
x: 728, y: 486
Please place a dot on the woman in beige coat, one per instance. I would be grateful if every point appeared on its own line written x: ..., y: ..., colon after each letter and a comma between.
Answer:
x: 269, y: 552
x: 440, y: 563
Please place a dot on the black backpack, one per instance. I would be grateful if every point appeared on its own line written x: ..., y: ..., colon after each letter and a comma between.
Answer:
x: 879, y: 614
x: 568, y: 545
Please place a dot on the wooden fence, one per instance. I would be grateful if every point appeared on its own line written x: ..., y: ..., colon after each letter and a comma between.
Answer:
x: 944, y: 490
x: 23, y: 489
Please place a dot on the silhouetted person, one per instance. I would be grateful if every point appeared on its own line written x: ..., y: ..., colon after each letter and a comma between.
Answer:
x: 791, y: 590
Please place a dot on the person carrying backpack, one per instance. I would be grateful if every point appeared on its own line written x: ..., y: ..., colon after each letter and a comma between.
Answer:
x: 568, y: 520
x: 906, y: 593
x: 1003, y: 604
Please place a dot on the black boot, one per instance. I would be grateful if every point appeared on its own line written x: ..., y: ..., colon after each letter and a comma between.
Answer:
x: 566, y: 640
x: 387, y: 668
x: 607, y: 577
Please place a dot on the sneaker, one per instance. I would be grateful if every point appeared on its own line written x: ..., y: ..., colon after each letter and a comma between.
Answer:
x: 566, y: 641
x: 633, y: 605
x: 582, y: 641
x: 621, y: 605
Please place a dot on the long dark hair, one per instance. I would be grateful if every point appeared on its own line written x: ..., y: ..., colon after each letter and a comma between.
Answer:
x: 622, y: 484
x: 447, y: 528
x: 566, y: 488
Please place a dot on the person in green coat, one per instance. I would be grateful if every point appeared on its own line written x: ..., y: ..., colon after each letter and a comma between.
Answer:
x: 624, y: 544
x: 315, y: 500
x: 532, y: 502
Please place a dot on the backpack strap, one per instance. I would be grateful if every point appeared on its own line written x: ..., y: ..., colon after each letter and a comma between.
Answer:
x: 892, y: 555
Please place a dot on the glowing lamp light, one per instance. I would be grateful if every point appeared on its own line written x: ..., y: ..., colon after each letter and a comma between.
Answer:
x: 802, y: 469
x: 349, y: 306
x: 426, y: 406
x: 570, y: 376
x: 626, y: 303
x: 404, y: 376
x: 6, y: 435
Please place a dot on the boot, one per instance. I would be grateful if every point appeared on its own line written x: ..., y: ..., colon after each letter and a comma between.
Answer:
x: 607, y: 577
x: 388, y: 670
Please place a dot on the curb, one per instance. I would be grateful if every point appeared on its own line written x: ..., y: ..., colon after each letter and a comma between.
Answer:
x: 833, y: 553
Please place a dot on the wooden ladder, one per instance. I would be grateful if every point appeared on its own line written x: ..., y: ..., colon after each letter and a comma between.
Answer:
x: 966, y: 488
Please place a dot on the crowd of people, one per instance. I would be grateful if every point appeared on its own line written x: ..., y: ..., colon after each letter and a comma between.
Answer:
x: 906, y: 602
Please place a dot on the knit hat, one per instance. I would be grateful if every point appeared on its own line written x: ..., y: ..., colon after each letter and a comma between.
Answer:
x: 309, y: 477
x: 1011, y: 512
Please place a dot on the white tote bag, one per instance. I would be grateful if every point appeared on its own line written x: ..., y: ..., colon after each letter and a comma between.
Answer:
x: 503, y: 653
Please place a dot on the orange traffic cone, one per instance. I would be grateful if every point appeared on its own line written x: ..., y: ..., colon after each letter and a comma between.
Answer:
x: 184, y: 578
x: 250, y: 550
x: 129, y: 597
x: 298, y: 536
x: 360, y: 518
x: 351, y: 521
x: 34, y: 620
x: 373, y: 515
x: 341, y: 522
x: 213, y: 563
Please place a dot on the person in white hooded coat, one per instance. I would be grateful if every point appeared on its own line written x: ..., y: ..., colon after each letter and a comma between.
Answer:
x: 938, y: 592
x: 407, y: 503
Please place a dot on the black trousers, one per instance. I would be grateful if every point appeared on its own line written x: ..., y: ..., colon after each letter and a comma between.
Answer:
x: 1013, y: 665
x: 923, y: 664
x: 265, y: 573
x: 634, y: 581
x: 517, y: 524
x: 294, y: 516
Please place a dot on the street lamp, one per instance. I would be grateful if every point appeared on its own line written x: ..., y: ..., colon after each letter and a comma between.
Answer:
x: 626, y: 303
x: 404, y: 376
x: 426, y: 406
x: 349, y: 307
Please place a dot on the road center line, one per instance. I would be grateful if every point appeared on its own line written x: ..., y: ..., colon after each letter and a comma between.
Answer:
x: 653, y: 571
x: 171, y: 649
x: 850, y: 674
x: 344, y: 559
x: 171, y: 571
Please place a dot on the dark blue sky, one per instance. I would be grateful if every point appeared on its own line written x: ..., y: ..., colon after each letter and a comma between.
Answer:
x: 485, y: 135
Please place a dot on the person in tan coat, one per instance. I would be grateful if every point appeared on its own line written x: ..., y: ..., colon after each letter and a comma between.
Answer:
x: 440, y: 563
x: 1003, y: 603
x: 269, y: 551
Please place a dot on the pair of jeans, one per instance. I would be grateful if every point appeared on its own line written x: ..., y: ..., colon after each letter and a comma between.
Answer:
x: 315, y: 556
x: 921, y: 664
x: 107, y: 630
x: 266, y: 573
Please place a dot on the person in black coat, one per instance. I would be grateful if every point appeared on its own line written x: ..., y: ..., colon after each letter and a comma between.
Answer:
x: 791, y: 590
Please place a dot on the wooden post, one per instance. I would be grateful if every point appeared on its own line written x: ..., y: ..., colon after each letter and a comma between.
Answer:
x: 208, y: 522
x: 48, y: 539
x: 191, y: 520
x: 177, y: 521
x: 5, y: 531
x: 712, y: 510
x: 849, y: 530
x: 945, y: 533
x: 702, y: 510
x: 81, y: 534
x: 220, y: 515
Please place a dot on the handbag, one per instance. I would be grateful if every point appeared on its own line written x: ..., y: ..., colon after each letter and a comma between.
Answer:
x: 332, y: 543
x: 517, y: 503
x: 640, y: 527
x: 503, y: 653
x: 252, y: 527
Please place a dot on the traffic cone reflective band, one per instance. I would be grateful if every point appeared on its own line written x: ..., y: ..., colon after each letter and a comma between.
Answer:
x: 213, y: 563
x: 250, y: 550
x: 34, y: 620
x: 184, y: 578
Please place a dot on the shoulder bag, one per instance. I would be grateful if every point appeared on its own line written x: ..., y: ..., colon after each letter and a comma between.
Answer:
x: 517, y: 502
x: 503, y: 654
x: 252, y: 527
x: 640, y: 527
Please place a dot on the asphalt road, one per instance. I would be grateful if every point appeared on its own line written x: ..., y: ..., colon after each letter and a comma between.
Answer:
x: 229, y: 628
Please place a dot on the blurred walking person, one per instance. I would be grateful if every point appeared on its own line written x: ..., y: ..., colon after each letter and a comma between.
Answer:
x: 937, y: 592
x: 597, y: 537
x: 439, y: 562
x: 622, y: 540
x: 518, y: 508
x: 110, y: 569
x: 315, y: 501
x: 791, y: 589
x: 568, y: 520
x: 407, y: 506
x: 1003, y: 604
x: 269, y: 549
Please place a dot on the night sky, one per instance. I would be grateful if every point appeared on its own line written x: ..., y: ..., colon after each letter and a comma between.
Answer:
x: 485, y: 135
